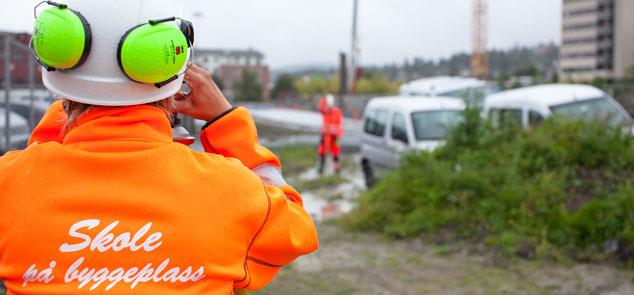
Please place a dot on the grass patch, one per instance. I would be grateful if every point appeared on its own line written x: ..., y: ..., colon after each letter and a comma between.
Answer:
x: 563, y: 189
x: 321, y: 183
x: 444, y: 250
x: 297, y: 158
x: 293, y: 282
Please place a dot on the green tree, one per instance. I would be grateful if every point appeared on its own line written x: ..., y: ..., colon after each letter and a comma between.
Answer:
x: 377, y: 84
x: 502, y: 80
x: 599, y: 82
x: 284, y: 84
x: 629, y: 75
x: 248, y: 88
x: 309, y: 87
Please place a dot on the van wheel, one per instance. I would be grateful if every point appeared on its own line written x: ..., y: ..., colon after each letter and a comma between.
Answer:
x: 368, y: 172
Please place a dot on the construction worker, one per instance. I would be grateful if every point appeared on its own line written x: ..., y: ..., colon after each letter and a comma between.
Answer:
x: 331, y: 132
x: 103, y: 201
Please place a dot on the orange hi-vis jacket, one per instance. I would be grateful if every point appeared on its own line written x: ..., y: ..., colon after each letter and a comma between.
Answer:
x: 116, y: 207
x: 332, y: 119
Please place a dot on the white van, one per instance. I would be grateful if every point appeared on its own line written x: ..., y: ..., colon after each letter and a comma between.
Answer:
x: 532, y: 105
x: 22, y: 94
x: 393, y: 126
x: 469, y: 89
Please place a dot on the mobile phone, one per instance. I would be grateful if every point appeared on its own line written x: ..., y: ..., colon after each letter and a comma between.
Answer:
x: 186, y: 89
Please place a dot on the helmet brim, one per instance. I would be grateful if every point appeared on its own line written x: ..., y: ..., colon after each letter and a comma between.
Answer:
x: 113, y: 93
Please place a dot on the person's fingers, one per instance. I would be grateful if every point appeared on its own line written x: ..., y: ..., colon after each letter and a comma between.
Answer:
x: 198, y: 69
x: 202, y: 72
x: 187, y: 79
x: 193, y: 70
x: 179, y: 96
x: 189, y: 74
x: 194, y: 67
x: 182, y: 106
x: 195, y: 78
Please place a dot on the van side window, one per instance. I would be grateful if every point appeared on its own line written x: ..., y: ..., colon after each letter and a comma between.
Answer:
x: 535, y: 118
x: 375, y: 122
x: 502, y: 117
x: 399, y: 129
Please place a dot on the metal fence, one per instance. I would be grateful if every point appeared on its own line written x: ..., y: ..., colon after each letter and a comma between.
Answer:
x: 25, y: 99
x: 352, y: 106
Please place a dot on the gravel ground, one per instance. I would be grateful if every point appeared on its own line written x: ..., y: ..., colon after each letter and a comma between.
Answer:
x: 356, y: 263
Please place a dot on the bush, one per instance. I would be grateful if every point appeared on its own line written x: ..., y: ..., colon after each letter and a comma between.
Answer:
x: 563, y: 187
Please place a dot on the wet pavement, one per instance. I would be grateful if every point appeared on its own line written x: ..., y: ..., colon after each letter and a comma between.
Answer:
x: 320, y: 203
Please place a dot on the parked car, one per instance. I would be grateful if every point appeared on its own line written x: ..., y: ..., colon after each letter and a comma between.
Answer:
x: 22, y: 94
x: 19, y: 131
x: 471, y: 90
x: 23, y: 108
x: 532, y: 105
x: 393, y: 126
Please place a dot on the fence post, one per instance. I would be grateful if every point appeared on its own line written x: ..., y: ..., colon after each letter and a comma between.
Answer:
x: 32, y: 92
x: 7, y: 92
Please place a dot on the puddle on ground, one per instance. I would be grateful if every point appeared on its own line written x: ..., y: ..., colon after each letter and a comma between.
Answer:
x: 322, y: 210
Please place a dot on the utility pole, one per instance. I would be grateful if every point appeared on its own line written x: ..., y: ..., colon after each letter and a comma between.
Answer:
x: 31, y: 62
x: 354, y: 50
x: 343, y: 79
x: 480, y: 50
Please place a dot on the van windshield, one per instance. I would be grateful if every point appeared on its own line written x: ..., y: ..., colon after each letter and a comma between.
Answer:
x: 434, y: 125
x: 598, y: 109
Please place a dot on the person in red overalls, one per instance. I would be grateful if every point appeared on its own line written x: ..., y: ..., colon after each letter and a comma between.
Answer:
x: 331, y: 131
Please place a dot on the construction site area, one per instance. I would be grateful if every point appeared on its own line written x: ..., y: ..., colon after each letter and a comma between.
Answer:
x: 486, y: 157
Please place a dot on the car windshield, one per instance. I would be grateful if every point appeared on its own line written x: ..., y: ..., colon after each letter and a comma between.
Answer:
x: 435, y: 124
x: 600, y: 109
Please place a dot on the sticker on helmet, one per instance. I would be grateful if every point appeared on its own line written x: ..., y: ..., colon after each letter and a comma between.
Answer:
x: 172, y: 51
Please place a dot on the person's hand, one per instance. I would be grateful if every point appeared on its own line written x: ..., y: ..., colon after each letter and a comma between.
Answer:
x: 205, y: 101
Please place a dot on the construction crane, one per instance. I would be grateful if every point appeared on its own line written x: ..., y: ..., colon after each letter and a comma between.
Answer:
x: 480, y: 51
x: 354, y: 50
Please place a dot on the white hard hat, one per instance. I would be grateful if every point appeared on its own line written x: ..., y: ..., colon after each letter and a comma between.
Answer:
x: 100, y: 81
x: 330, y: 100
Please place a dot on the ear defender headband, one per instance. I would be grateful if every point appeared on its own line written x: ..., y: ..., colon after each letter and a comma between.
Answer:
x: 150, y: 53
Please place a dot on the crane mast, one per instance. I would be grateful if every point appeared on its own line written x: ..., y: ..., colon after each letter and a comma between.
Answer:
x: 480, y: 27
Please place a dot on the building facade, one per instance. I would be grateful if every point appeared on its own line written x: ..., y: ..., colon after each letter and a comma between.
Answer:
x: 20, y: 57
x: 230, y: 75
x: 229, y: 65
x: 597, y: 39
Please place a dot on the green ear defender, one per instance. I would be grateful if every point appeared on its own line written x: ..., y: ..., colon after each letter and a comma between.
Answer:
x: 155, y: 52
x: 61, y: 38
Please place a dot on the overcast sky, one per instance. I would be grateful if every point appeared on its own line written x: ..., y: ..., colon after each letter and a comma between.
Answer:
x: 312, y: 32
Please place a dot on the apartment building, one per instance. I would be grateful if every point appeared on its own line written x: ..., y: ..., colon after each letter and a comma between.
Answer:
x: 229, y: 65
x: 597, y: 39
